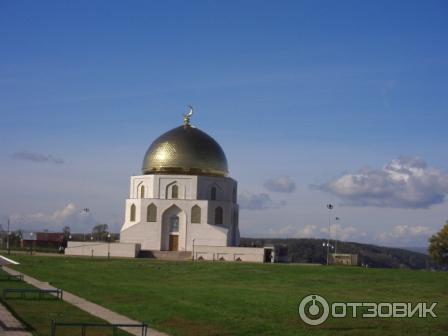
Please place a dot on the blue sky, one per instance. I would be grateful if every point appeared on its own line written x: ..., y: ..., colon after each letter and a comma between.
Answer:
x: 308, y: 92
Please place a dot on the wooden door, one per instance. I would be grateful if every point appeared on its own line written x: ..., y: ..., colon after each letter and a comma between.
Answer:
x: 174, y: 242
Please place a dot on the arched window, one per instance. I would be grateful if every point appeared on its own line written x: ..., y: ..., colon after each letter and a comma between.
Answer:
x: 213, y: 194
x: 218, y: 215
x: 234, y: 195
x: 196, y: 214
x: 175, y: 191
x: 142, y: 191
x: 174, y: 224
x: 132, y: 213
x: 151, y: 213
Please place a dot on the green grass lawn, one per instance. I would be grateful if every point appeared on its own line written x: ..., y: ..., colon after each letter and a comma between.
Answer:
x: 201, y: 298
x: 36, y: 314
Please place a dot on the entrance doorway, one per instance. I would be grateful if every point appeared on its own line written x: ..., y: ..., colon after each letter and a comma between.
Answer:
x: 173, y: 229
x: 173, y: 242
x: 267, y: 255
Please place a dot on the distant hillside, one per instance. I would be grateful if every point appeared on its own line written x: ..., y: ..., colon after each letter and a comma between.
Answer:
x: 312, y: 251
x: 419, y: 249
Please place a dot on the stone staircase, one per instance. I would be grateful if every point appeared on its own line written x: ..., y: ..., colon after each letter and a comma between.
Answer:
x: 165, y: 255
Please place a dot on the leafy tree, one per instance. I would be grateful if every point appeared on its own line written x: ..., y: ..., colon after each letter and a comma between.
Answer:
x: 66, y: 231
x: 14, y: 238
x: 438, y: 246
x: 100, y: 231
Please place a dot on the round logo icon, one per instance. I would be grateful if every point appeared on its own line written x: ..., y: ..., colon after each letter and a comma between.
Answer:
x: 314, y: 309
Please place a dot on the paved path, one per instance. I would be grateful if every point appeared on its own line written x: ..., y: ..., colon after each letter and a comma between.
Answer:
x: 9, y: 325
x: 89, y: 307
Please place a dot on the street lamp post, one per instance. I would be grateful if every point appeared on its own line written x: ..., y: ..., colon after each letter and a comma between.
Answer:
x: 8, y: 241
x: 329, y: 247
x: 329, y: 207
x: 337, y: 219
x: 192, y: 255
x: 31, y: 243
x: 323, y: 250
x: 108, y: 246
x: 86, y: 211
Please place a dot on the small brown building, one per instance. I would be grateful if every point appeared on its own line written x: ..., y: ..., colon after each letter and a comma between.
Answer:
x: 344, y: 259
x: 43, y: 239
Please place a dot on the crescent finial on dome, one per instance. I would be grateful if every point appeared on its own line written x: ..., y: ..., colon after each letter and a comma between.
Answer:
x: 188, y: 115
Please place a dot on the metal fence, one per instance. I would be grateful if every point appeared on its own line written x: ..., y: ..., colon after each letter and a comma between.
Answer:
x: 84, y: 327
x: 22, y: 293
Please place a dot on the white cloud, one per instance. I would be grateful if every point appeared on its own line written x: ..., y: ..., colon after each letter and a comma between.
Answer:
x: 70, y: 215
x: 402, y: 235
x: 292, y: 231
x: 253, y: 201
x: 36, y: 157
x: 280, y: 184
x: 313, y: 231
x: 403, y: 183
x: 346, y: 233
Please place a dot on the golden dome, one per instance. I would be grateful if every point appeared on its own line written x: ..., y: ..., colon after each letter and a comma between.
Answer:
x: 185, y: 150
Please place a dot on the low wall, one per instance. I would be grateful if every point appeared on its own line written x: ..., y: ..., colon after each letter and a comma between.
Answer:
x: 228, y: 253
x: 102, y: 249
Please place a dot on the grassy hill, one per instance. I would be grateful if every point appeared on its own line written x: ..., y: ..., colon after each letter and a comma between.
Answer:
x: 205, y: 298
x: 311, y: 251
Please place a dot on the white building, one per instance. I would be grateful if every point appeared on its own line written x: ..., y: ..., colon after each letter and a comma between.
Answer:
x: 184, y: 197
x: 183, y: 201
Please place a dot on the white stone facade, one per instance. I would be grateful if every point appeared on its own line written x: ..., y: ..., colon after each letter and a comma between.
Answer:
x: 244, y: 254
x: 175, y: 212
x: 102, y: 249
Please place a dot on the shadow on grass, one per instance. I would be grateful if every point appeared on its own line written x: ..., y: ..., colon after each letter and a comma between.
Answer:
x: 27, y: 326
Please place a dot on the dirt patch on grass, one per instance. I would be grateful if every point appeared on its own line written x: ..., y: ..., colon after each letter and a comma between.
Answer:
x: 192, y: 328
